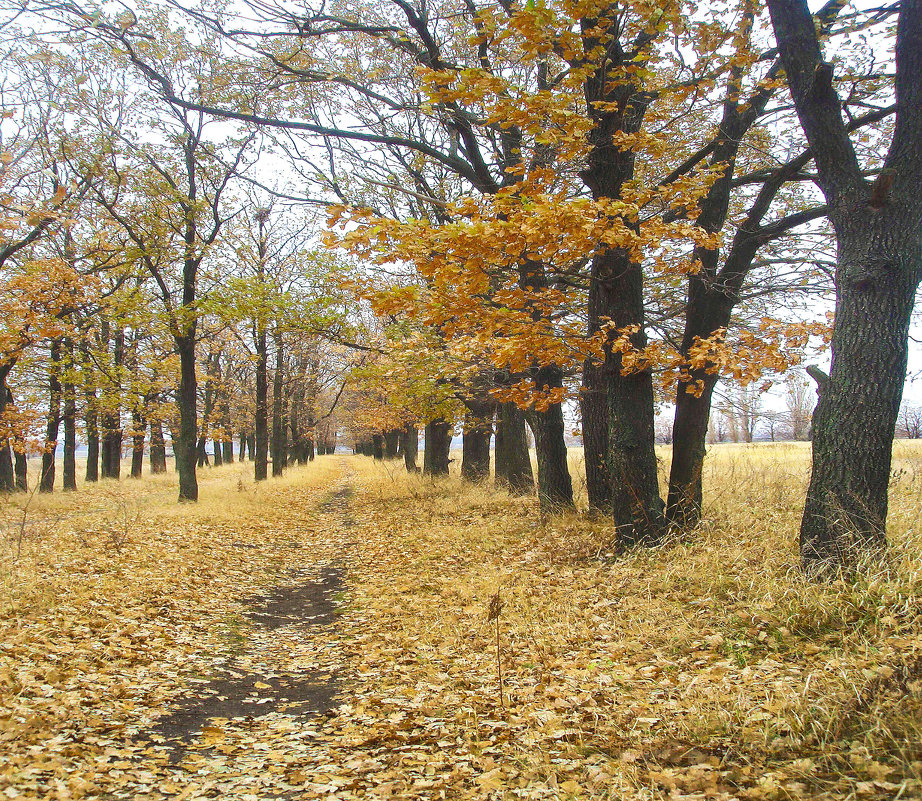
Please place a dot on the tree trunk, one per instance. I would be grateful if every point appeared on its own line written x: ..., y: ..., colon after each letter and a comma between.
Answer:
x: 201, y: 452
x: 855, y: 418
x: 299, y: 437
x: 218, y: 446
x: 22, y: 471
x: 475, y: 448
x: 111, y: 417
x: 69, y: 473
x: 555, y: 488
x: 593, y: 405
x: 261, y: 421
x: 184, y: 445
x: 91, y: 419
x: 138, y: 428
x: 228, y: 449
x: 513, y: 462
x: 689, y: 436
x: 242, y: 453
x: 616, y: 297
x: 7, y: 479
x: 637, y: 508
x: 157, y: 448
x: 437, y: 449
x: 279, y: 433
x: 53, y: 425
x: 377, y: 446
x: 879, y: 241
x: 409, y: 446
x: 391, y: 444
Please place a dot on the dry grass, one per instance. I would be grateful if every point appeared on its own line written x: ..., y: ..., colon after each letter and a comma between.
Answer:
x: 709, y: 668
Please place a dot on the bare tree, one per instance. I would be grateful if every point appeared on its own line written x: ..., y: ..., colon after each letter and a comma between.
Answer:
x: 799, y: 399
x: 910, y: 421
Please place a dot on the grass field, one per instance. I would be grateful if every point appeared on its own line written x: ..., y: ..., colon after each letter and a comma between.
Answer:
x: 705, y: 669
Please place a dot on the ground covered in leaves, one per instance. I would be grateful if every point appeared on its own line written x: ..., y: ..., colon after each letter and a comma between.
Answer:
x: 327, y: 635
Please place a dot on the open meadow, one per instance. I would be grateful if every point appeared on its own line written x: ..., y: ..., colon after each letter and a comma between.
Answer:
x: 340, y: 633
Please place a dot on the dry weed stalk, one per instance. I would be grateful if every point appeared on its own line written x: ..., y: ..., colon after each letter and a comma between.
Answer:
x: 496, y: 607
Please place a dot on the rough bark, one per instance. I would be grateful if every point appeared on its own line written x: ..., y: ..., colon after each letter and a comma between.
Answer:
x: 111, y: 416
x: 184, y: 444
x: 261, y: 419
x: 391, y: 443
x: 555, y: 487
x: 69, y: 464
x: 157, y: 448
x: 513, y: 462
x: 138, y: 427
x: 616, y: 295
x: 53, y: 421
x: 7, y: 478
x: 437, y: 448
x: 90, y: 419
x: 475, y: 448
x: 279, y: 432
x: 409, y: 447
x: 879, y: 237
x: 593, y: 404
x: 22, y: 470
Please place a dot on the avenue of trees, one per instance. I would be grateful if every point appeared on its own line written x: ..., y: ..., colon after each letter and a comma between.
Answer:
x: 268, y: 223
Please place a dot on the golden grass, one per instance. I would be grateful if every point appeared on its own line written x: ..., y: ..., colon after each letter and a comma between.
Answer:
x: 708, y: 668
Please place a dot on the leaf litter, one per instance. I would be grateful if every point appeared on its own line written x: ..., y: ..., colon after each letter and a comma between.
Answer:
x: 704, y: 671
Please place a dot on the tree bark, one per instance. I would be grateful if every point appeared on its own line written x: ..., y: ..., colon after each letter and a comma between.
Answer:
x: 879, y: 236
x: 279, y: 430
x: 555, y: 487
x: 184, y: 445
x: 377, y: 446
x: 391, y: 443
x: 111, y: 417
x: 513, y: 462
x: 138, y: 428
x: 90, y: 418
x: 69, y: 471
x: 616, y: 297
x: 409, y: 446
x: 7, y: 480
x: 157, y: 448
x: 261, y: 420
x: 53, y: 424
x: 593, y: 404
x: 475, y: 448
x: 22, y: 471
x: 437, y: 448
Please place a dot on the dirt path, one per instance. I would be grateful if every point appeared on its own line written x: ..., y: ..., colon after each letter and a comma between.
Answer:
x: 256, y: 681
x: 240, y: 692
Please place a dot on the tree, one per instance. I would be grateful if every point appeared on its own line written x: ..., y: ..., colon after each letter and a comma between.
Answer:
x: 799, y: 401
x: 878, y: 227
x: 910, y: 424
